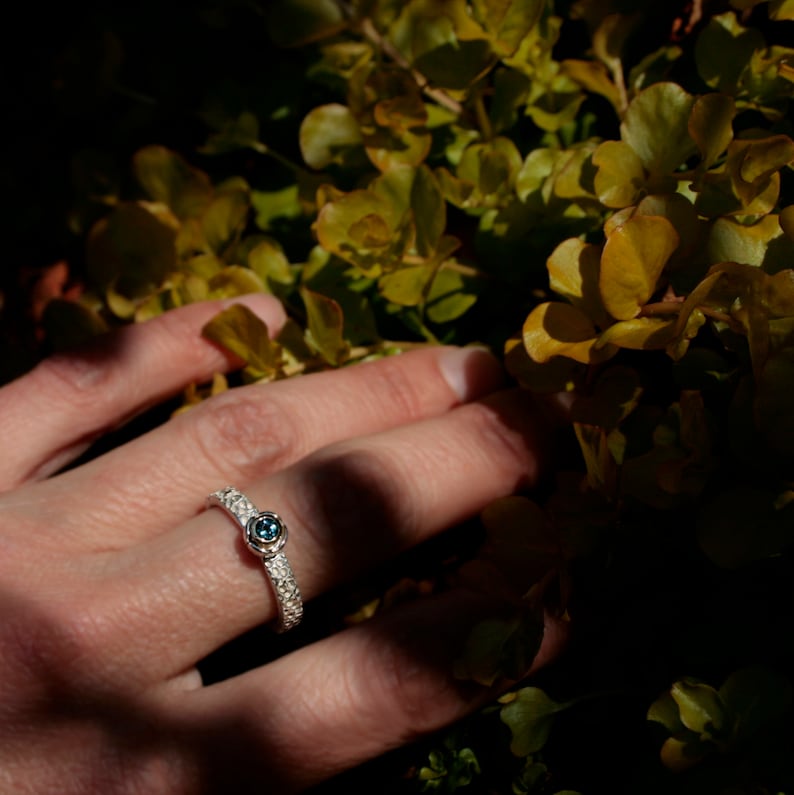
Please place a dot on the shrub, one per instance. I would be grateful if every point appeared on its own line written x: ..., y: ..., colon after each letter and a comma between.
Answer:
x: 600, y: 190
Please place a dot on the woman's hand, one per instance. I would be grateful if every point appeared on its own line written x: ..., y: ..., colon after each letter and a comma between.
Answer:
x: 115, y: 583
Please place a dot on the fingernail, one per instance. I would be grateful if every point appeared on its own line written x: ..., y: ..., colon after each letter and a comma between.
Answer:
x: 471, y: 372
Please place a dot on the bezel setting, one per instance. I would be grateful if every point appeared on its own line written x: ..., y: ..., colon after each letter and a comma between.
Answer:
x: 259, y: 546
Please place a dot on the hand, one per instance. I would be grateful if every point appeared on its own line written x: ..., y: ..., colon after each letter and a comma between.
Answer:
x: 115, y: 582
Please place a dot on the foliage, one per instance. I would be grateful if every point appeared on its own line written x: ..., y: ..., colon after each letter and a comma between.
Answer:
x: 601, y: 190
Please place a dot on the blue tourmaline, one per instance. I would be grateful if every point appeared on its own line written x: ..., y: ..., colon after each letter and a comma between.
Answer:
x: 266, y: 528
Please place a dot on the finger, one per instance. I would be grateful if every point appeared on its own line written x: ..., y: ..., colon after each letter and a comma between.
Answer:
x: 53, y: 413
x: 162, y: 479
x: 351, y: 697
x: 348, y: 507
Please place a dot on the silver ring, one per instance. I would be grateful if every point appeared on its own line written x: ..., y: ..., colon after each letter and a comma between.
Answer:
x: 265, y: 534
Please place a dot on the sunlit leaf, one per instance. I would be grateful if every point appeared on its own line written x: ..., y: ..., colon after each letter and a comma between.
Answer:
x: 325, y: 326
x: 632, y: 262
x: 656, y: 127
x: 555, y: 329
x: 700, y: 707
x: 406, y: 286
x: 429, y: 209
x: 574, y: 269
x: 245, y: 334
x: 620, y: 176
x: 450, y: 296
x: 327, y: 134
x: 761, y: 244
x: 641, y: 333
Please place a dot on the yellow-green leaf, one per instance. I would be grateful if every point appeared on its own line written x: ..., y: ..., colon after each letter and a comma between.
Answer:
x: 326, y: 323
x: 632, y: 262
x: 573, y: 273
x: 656, y: 127
x: 620, y: 176
x: 168, y: 178
x: 245, y: 334
x: 529, y: 713
x: 555, y: 329
x: 711, y: 125
x: 327, y: 135
x: 640, y: 333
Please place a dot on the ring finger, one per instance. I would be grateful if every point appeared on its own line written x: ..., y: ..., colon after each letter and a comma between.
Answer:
x: 348, y: 507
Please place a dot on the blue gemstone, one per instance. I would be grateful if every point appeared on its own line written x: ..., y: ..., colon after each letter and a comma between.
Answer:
x: 266, y: 528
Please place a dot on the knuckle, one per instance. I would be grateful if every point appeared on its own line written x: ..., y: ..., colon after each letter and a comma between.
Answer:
x: 246, y: 432
x: 350, y: 495
x: 397, y: 682
x: 506, y: 444
x: 83, y: 380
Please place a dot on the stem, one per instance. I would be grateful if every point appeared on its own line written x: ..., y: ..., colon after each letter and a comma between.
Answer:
x: 386, y: 47
x: 482, y: 117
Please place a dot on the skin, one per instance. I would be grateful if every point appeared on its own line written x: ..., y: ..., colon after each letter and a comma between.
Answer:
x: 115, y: 582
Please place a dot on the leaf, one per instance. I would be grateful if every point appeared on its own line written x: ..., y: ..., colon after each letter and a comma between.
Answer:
x: 529, y: 716
x: 169, y: 178
x: 224, y: 220
x: 429, y: 211
x: 615, y: 395
x: 132, y: 248
x: 742, y: 525
x: 600, y: 464
x: 723, y: 51
x: 592, y: 76
x: 700, y: 707
x: 555, y: 329
x: 68, y: 324
x: 786, y: 220
x: 325, y: 327
x: 681, y: 213
x: 620, y: 177
x: 640, y: 334
x: 755, y: 696
x: 762, y: 244
x: 508, y: 21
x: 239, y: 330
x: 268, y: 261
x: 573, y: 274
x: 294, y: 22
x: 499, y: 649
x: 235, y: 280
x: 450, y: 296
x: 632, y: 262
x: 271, y: 206
x: 656, y: 127
x: 327, y: 134
x: 406, y: 286
x: 665, y: 711
x: 711, y: 125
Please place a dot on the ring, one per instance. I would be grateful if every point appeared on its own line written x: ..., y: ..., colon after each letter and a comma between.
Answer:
x: 265, y: 535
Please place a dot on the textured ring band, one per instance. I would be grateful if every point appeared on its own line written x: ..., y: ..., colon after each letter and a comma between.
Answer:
x: 265, y: 534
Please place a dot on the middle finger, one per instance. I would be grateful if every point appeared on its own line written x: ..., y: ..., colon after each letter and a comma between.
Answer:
x: 159, y: 480
x: 348, y: 507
